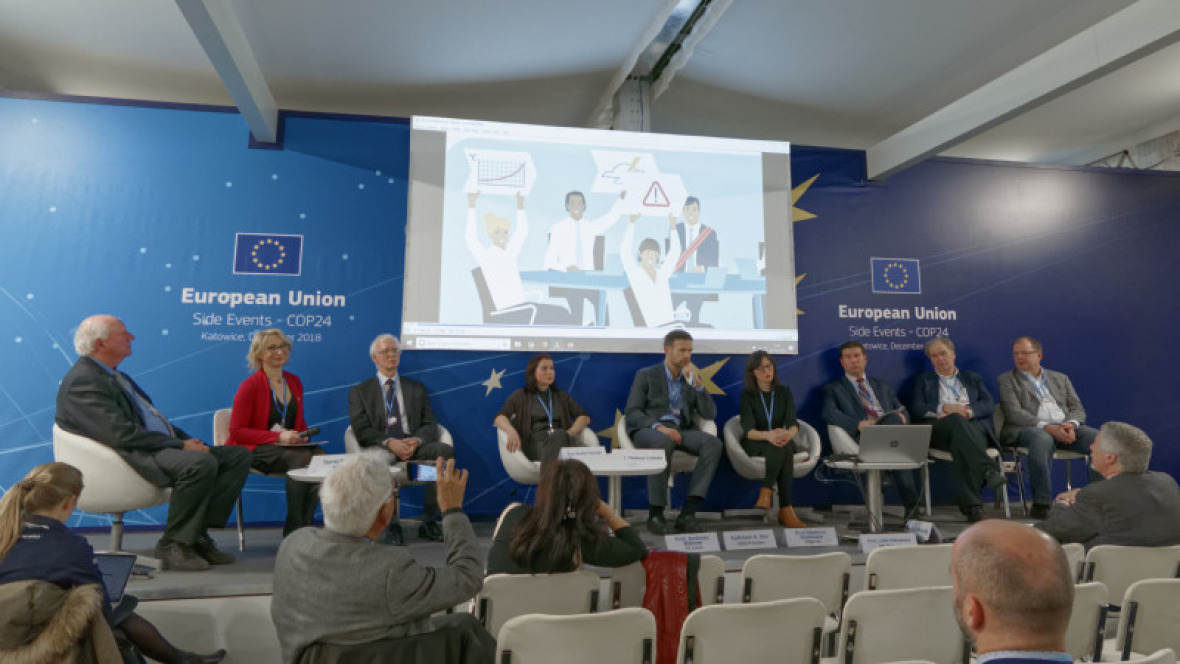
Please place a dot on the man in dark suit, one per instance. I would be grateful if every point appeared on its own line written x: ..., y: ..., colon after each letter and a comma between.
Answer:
x: 1132, y: 507
x: 1042, y: 413
x: 98, y: 401
x: 393, y: 412
x: 856, y: 400
x: 662, y: 408
x: 959, y: 406
x: 1013, y: 593
x: 700, y: 250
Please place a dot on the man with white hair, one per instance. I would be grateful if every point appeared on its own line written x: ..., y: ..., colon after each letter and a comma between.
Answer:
x: 392, y: 412
x: 98, y: 401
x: 1133, y: 507
x: 1013, y: 593
x: 336, y: 592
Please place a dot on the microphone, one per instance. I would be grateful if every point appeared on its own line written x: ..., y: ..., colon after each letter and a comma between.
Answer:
x: 309, y: 433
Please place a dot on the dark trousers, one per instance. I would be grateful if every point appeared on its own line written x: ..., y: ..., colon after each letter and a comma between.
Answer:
x: 906, y: 481
x: 780, y: 466
x: 430, y: 452
x: 205, y: 486
x: 706, y: 447
x: 545, y: 446
x: 302, y: 497
x: 966, y: 440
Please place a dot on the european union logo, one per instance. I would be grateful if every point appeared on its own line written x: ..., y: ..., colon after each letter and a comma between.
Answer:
x: 268, y: 254
x: 896, y: 275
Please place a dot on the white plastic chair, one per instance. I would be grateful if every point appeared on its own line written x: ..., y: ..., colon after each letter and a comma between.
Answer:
x: 682, y: 462
x: 897, y: 625
x: 526, y: 471
x: 897, y: 567
x: 788, y: 631
x: 1087, y: 622
x: 506, y: 596
x: 807, y: 453
x: 1149, y: 618
x: 1165, y: 656
x: 111, y: 485
x: 1075, y: 555
x: 629, y: 583
x: 1120, y: 566
x: 824, y: 577
x: 625, y: 636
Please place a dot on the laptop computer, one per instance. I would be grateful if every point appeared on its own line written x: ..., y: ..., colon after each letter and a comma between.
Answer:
x: 116, y: 571
x: 895, y: 443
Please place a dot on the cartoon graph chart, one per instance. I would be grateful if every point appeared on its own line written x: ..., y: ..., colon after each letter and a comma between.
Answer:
x: 500, y: 172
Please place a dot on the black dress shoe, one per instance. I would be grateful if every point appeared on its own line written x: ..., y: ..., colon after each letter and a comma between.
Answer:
x: 177, y: 557
x: 687, y: 523
x: 1040, y: 511
x: 657, y: 525
x: 994, y: 478
x: 393, y: 534
x: 973, y: 513
x: 211, y: 658
x: 207, y: 549
x: 430, y: 530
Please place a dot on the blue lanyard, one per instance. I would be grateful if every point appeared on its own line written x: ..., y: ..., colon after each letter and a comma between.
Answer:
x: 952, y: 384
x: 1041, y: 385
x: 391, y: 400
x: 274, y: 398
x: 548, y: 409
x: 768, y: 411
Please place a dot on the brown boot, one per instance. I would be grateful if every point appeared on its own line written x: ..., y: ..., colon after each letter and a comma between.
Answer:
x: 787, y: 517
x: 765, y: 499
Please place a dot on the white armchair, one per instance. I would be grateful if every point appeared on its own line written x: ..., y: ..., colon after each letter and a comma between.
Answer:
x: 111, y: 485
x: 526, y: 471
x: 682, y: 462
x: 807, y: 452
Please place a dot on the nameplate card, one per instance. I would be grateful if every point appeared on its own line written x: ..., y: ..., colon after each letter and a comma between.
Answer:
x: 794, y: 537
x: 749, y: 539
x: 870, y: 541
x: 581, y: 452
x: 324, y: 462
x: 642, y: 456
x: 692, y: 542
x: 925, y: 530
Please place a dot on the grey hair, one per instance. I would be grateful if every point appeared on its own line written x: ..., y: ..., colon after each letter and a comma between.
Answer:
x: 354, y: 491
x: 1128, y: 443
x: 89, y: 332
x: 379, y: 339
x: 939, y: 340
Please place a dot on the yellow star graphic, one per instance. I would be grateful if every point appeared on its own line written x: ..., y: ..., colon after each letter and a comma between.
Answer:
x: 799, y: 312
x: 799, y: 214
x: 493, y: 382
x: 612, y: 433
x: 707, y: 376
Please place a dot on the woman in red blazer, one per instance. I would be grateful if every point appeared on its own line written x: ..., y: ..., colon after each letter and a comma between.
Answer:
x: 267, y: 418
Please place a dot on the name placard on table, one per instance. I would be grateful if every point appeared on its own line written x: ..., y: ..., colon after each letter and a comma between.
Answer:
x: 795, y: 537
x: 692, y: 542
x: 925, y: 530
x: 749, y: 539
x: 324, y: 462
x: 642, y: 455
x: 581, y: 452
x: 870, y: 541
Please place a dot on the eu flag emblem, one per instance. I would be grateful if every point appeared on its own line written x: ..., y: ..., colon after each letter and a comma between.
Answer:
x: 268, y: 254
x: 896, y: 275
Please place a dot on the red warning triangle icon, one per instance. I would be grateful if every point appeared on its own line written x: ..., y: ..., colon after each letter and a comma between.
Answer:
x: 655, y: 196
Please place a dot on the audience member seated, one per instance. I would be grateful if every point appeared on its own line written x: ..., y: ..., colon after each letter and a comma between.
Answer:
x: 540, y: 419
x: 267, y: 419
x: 1013, y: 593
x: 98, y: 401
x: 1042, y: 413
x: 768, y: 430
x: 960, y: 408
x: 662, y: 408
x: 36, y: 546
x: 1133, y: 507
x: 392, y: 412
x: 855, y: 400
x: 336, y: 590
x: 564, y: 529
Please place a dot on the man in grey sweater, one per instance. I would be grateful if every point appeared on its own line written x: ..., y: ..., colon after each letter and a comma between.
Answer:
x: 336, y: 590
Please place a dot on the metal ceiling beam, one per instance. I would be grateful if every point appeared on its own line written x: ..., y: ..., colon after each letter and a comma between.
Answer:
x: 603, y: 114
x: 219, y: 33
x: 1137, y: 31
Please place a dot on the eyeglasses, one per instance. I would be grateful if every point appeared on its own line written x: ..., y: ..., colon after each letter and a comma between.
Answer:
x: 388, y: 351
x: 1024, y: 352
x: 277, y: 349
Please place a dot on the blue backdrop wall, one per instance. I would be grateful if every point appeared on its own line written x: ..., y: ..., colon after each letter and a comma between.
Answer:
x: 135, y: 210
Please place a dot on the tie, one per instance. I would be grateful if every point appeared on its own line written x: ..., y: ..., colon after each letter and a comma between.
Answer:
x: 866, y: 399
x: 394, y: 430
x: 153, y: 419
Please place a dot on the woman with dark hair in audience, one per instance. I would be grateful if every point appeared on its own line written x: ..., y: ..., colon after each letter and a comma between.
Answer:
x: 540, y: 419
x: 769, y: 429
x: 36, y: 545
x: 267, y: 419
x: 567, y: 527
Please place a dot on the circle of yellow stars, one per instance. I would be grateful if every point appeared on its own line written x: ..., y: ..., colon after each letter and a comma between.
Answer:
x: 889, y: 274
x: 261, y: 244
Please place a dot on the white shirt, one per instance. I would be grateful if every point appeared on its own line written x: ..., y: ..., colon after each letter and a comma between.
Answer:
x: 654, y: 297
x: 571, y: 242
x: 499, y: 265
x: 951, y: 390
x: 1048, y: 412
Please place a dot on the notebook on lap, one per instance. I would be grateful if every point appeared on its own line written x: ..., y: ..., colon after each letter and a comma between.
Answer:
x: 895, y: 443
